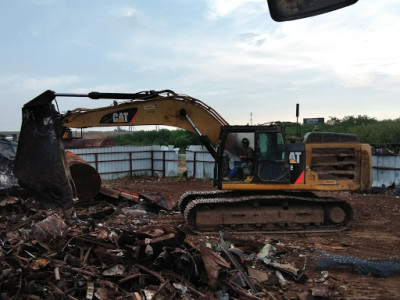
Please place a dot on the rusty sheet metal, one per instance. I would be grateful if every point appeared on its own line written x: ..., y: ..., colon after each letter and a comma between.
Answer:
x: 213, y: 263
x: 386, y: 170
x: 86, y: 179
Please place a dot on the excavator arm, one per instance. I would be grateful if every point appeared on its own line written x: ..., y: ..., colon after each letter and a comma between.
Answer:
x: 149, y: 108
x: 40, y: 163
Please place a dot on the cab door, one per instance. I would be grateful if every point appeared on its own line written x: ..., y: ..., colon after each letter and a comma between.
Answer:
x: 272, y: 163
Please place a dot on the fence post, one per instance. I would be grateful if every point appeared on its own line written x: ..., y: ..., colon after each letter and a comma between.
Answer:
x: 152, y: 162
x: 194, y: 163
x: 96, y: 161
x: 164, y: 169
x: 131, y: 163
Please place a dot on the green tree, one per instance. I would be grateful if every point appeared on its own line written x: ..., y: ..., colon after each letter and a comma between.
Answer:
x: 179, y: 138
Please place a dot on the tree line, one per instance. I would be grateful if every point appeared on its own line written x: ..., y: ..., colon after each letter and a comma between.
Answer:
x: 385, y: 133
x: 179, y: 138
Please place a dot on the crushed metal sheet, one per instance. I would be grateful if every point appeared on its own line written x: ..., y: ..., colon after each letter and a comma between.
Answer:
x: 117, y: 270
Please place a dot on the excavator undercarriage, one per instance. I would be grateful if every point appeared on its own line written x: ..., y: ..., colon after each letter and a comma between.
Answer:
x: 264, y: 212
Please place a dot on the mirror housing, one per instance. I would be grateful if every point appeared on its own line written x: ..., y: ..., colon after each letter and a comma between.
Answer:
x: 286, y: 10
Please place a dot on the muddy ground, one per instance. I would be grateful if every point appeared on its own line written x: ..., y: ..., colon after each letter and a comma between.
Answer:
x: 373, y: 235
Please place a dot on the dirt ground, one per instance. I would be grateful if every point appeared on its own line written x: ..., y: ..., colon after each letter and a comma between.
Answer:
x: 374, y: 235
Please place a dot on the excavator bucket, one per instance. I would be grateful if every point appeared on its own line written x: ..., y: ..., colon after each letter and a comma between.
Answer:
x: 40, y: 164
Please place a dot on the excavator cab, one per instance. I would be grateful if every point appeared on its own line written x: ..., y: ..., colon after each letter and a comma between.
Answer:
x: 318, y: 161
x: 268, y: 161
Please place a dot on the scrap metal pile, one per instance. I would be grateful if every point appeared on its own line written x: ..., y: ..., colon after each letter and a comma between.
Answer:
x: 128, y: 247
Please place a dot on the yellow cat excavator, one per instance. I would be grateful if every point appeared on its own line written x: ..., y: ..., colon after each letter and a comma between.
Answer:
x: 276, y: 196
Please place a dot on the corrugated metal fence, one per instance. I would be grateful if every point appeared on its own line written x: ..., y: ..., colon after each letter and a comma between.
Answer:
x: 386, y: 170
x: 121, y: 161
x: 199, y: 162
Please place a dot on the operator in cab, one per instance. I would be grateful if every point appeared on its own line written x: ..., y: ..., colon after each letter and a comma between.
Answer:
x: 244, y: 168
x: 246, y: 158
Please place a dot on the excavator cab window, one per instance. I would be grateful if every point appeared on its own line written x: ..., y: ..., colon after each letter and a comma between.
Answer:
x: 255, y: 153
x: 233, y: 142
x: 235, y: 166
x: 271, y: 154
x: 271, y: 146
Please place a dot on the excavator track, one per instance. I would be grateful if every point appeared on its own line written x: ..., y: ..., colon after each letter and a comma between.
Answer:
x: 266, y: 212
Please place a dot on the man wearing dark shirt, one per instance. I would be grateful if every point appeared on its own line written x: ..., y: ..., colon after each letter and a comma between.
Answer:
x: 246, y: 157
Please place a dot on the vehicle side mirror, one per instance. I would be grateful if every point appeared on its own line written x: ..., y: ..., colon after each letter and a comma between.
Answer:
x: 286, y: 10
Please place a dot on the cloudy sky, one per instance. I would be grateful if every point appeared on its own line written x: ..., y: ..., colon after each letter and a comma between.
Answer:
x: 228, y: 53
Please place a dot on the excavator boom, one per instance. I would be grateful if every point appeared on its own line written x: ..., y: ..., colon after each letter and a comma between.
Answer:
x: 40, y: 163
x: 148, y: 108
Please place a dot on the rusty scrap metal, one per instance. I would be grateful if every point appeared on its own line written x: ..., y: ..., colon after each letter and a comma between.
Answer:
x: 86, y: 179
x: 51, y: 228
x: 100, y: 254
x: 257, y: 276
x: 242, y: 272
x: 213, y: 263
x: 153, y: 200
x: 199, y: 295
